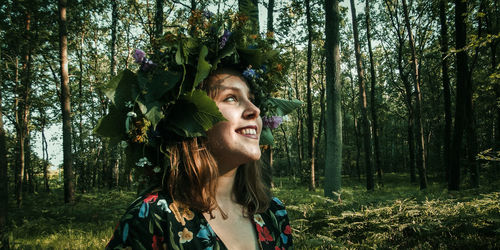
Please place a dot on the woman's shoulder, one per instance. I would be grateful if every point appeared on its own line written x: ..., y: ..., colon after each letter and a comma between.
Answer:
x: 276, y: 205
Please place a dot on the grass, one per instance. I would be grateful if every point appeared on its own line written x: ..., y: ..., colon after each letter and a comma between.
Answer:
x: 395, y: 216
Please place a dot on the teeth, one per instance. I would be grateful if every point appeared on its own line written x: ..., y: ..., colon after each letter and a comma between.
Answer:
x: 248, y: 131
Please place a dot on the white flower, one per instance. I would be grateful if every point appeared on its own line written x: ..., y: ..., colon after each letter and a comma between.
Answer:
x: 132, y: 114
x: 143, y: 162
x: 258, y: 219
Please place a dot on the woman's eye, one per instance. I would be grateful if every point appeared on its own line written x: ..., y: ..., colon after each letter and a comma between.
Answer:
x: 230, y: 99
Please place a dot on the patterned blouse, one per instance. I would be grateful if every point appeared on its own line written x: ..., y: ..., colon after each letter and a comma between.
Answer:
x: 153, y: 221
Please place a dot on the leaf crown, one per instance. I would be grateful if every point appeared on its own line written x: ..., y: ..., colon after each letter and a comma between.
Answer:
x: 163, y: 99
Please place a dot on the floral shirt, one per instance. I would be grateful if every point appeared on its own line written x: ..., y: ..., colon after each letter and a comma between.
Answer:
x: 153, y: 221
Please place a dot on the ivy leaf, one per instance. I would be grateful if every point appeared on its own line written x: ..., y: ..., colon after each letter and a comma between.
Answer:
x: 284, y: 107
x: 203, y: 68
x: 112, y: 124
x: 122, y: 88
x: 266, y: 137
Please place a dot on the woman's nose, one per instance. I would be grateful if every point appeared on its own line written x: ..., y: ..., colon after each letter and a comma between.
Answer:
x: 251, y: 111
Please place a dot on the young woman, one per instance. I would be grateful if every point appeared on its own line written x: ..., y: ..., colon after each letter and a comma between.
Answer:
x: 213, y: 196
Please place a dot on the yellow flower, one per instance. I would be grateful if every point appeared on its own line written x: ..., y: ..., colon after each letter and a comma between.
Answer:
x: 185, y: 236
x: 187, y: 214
x: 178, y: 217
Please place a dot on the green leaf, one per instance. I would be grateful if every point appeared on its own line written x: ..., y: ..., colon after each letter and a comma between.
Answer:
x: 161, y: 82
x: 122, y: 88
x: 284, y: 107
x: 208, y: 113
x: 251, y: 56
x: 181, y: 120
x: 194, y: 114
x: 266, y: 137
x: 179, y: 57
x: 112, y: 124
x: 203, y: 68
x: 154, y: 114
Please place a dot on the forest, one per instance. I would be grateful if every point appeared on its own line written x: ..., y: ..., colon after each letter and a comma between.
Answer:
x: 396, y: 143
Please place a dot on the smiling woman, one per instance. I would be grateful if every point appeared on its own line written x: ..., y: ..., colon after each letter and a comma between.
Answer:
x: 193, y: 124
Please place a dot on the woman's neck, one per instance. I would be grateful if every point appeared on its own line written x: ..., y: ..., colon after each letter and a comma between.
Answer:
x: 225, y: 184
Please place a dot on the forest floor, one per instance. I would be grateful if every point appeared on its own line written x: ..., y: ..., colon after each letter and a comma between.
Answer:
x: 396, y: 215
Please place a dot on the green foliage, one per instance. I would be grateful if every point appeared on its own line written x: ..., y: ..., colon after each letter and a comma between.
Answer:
x: 395, y: 216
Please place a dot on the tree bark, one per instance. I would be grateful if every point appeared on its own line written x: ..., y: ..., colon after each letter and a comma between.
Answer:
x: 378, y: 164
x: 69, y: 192
x: 310, y: 118
x: 461, y: 95
x: 270, y: 16
x: 4, y: 184
x: 418, y: 109
x: 446, y: 86
x: 333, y: 161
x: 362, y: 102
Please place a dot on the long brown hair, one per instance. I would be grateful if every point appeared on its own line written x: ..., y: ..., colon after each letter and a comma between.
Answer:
x: 192, y: 172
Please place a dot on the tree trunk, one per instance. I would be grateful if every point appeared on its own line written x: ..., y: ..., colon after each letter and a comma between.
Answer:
x: 69, y: 192
x: 270, y: 16
x: 461, y: 95
x: 408, y: 91
x: 310, y: 118
x: 378, y: 164
x: 443, y: 6
x: 362, y: 102
x: 45, y: 152
x: 333, y: 161
x: 418, y: 109
x: 158, y: 32
x: 287, y: 150
x: 4, y: 184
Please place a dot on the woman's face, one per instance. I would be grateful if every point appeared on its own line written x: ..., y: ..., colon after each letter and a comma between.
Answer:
x: 236, y: 141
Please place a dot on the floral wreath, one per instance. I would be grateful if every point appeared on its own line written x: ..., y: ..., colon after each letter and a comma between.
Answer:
x: 161, y: 103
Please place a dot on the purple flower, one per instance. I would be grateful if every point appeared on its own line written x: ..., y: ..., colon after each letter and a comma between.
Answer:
x: 249, y: 73
x: 272, y: 122
x: 224, y: 39
x: 139, y: 55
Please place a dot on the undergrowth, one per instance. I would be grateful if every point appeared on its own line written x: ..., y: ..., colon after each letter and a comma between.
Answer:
x: 397, y: 215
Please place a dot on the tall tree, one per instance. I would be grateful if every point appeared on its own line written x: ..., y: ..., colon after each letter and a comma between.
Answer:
x: 69, y: 192
x: 23, y: 109
x: 462, y: 78
x: 399, y: 31
x: 333, y: 161
x: 310, y: 118
x: 443, y: 6
x: 363, y: 102
x: 418, y: 100
x: 4, y: 183
x: 378, y: 164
